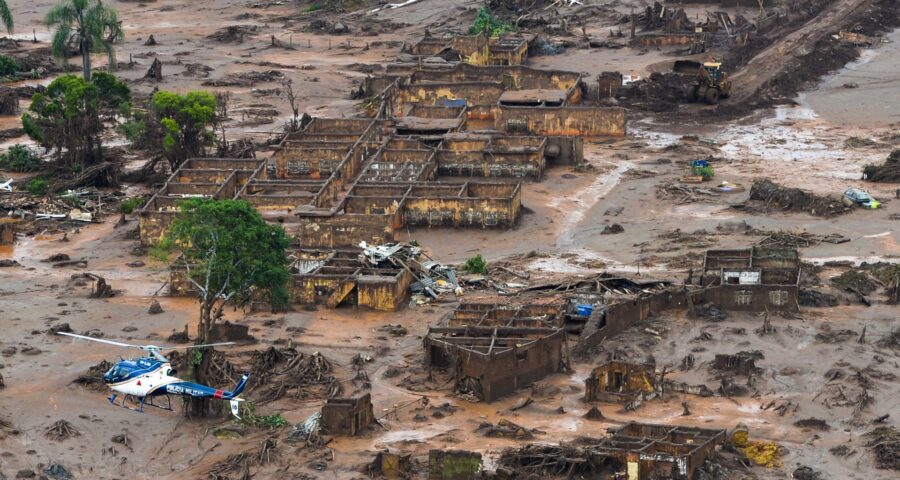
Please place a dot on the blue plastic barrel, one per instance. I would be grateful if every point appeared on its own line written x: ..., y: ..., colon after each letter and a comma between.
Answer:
x: 584, y: 310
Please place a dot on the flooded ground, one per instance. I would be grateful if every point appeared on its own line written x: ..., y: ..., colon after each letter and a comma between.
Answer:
x: 807, y: 145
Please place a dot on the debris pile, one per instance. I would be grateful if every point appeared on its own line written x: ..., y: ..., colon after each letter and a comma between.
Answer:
x: 684, y: 193
x: 61, y: 430
x: 855, y: 281
x: 889, y: 171
x: 505, y: 429
x: 93, y: 379
x: 233, y: 33
x: 773, y: 195
x: 885, y: 445
x: 801, y: 239
x: 815, y: 298
x: 309, y: 376
x: 432, y: 278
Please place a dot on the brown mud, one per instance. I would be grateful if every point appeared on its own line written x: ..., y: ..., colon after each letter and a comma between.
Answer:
x: 813, y: 365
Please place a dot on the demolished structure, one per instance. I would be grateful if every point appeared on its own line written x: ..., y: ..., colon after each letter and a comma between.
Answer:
x: 380, y: 277
x: 347, y: 416
x: 755, y: 279
x: 619, y: 382
x: 639, y: 451
x: 478, y: 49
x: 490, y: 362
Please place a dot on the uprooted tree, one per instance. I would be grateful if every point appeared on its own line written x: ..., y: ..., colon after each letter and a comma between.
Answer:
x: 174, y: 126
x: 232, y: 256
x: 69, y: 117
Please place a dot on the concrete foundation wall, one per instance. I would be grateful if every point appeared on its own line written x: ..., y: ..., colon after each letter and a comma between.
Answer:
x: 563, y: 121
x: 474, y: 93
x: 343, y: 230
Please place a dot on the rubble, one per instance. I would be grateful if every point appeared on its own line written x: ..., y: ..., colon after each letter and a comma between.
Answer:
x: 885, y: 445
x: 505, y: 429
x: 656, y: 445
x: 60, y: 431
x: 93, y: 379
x: 770, y: 195
x: 234, y: 33
x: 855, y: 281
x: 889, y: 171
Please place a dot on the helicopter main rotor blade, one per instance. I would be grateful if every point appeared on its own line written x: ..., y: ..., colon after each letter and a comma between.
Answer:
x: 110, y: 342
x: 205, y: 345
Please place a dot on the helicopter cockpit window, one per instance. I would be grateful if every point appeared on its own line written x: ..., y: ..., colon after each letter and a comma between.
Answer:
x: 116, y: 374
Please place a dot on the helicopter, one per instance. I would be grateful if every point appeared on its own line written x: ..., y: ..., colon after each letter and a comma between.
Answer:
x: 143, y: 379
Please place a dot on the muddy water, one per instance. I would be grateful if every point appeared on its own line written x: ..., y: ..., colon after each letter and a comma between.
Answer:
x: 874, y: 103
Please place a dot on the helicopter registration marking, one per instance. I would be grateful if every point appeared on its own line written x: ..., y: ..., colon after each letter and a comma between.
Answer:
x: 180, y: 390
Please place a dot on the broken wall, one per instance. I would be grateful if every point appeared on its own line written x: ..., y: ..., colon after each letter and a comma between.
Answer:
x: 347, y: 416
x: 618, y: 382
x: 609, y: 320
x: 562, y: 121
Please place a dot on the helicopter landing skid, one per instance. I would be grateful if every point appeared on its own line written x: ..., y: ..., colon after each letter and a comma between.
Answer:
x: 140, y: 402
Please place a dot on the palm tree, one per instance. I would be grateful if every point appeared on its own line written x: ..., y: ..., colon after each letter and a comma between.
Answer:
x: 6, y: 16
x: 87, y: 25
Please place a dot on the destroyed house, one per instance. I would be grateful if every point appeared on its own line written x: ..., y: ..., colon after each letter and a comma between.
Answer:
x: 754, y: 279
x: 663, y: 451
x: 215, y: 178
x: 492, y: 315
x: 474, y: 49
x: 339, y: 277
x: 640, y: 451
x: 667, y: 25
x: 619, y: 382
x: 516, y: 100
x: 348, y: 416
x: 490, y: 362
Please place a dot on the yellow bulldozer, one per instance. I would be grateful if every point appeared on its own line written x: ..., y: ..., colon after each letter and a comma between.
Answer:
x: 712, y: 82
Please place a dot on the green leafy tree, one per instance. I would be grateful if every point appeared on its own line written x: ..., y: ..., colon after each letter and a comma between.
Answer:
x: 19, y: 158
x: 232, y: 256
x: 477, y: 264
x: 176, y: 126
x: 8, y: 65
x: 87, y: 26
x: 67, y: 118
x: 486, y: 22
x: 6, y: 16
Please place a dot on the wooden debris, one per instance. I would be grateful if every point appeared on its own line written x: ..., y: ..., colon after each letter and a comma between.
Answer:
x: 61, y: 430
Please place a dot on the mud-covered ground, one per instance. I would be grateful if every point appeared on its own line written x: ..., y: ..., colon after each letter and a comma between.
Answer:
x: 819, y: 144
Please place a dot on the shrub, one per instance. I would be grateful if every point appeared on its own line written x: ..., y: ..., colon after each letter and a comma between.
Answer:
x: 38, y: 186
x: 705, y: 172
x: 486, y: 22
x: 476, y: 264
x: 271, y: 422
x: 19, y: 158
x: 129, y: 205
x: 8, y: 66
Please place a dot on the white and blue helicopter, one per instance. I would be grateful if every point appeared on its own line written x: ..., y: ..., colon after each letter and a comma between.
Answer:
x: 143, y: 379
